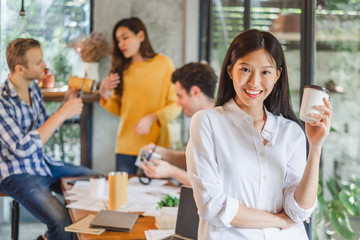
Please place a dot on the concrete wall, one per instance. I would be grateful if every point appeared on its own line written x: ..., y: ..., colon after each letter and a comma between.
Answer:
x: 173, y: 30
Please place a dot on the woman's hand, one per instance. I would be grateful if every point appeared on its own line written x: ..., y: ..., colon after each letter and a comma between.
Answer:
x: 317, y: 132
x: 144, y: 125
x: 286, y: 222
x: 109, y: 83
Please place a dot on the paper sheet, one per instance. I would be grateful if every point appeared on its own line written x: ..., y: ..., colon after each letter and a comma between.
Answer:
x: 140, y: 198
x: 158, y: 234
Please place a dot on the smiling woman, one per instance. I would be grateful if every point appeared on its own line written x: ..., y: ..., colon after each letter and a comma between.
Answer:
x: 254, y: 77
x: 240, y: 148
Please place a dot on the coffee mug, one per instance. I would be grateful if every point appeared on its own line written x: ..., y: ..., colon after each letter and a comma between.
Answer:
x: 97, y: 183
x: 313, y: 95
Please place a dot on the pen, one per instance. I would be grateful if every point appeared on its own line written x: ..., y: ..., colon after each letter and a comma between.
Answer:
x: 105, y: 204
x: 149, y: 156
x: 82, y: 85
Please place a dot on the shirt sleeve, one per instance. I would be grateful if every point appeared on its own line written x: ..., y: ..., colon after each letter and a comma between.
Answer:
x: 19, y: 143
x: 295, y: 169
x: 213, y: 204
x: 113, y: 104
x: 170, y: 110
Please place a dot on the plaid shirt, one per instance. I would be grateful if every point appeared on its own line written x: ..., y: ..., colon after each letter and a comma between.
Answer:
x: 21, y: 149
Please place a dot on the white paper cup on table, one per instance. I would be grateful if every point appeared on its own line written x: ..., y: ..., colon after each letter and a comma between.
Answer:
x: 118, y: 182
x: 97, y: 183
x: 313, y: 95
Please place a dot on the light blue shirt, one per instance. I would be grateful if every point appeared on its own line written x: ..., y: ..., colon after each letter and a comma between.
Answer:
x: 228, y: 165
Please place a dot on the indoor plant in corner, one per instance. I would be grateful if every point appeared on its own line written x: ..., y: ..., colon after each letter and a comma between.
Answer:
x: 168, y: 206
x: 335, y: 216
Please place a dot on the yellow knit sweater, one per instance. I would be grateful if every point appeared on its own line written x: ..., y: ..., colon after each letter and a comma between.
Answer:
x: 147, y: 89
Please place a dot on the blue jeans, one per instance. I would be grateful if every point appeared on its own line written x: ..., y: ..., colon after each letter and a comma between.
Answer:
x: 126, y: 163
x: 34, y: 193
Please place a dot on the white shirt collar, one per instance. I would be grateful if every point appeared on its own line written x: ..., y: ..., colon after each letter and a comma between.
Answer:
x: 237, y: 115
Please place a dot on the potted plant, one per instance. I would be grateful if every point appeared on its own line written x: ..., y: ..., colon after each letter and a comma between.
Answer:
x: 168, y: 206
x: 91, y: 49
x: 335, y: 216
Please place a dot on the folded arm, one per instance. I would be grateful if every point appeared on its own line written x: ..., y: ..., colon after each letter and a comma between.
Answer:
x: 214, y: 204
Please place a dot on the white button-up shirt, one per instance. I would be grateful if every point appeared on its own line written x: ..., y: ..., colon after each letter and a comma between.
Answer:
x: 228, y: 165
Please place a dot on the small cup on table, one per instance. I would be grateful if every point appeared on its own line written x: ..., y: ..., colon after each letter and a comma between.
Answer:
x: 97, y: 183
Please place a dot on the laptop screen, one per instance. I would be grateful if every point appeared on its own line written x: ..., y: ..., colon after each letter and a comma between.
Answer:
x: 187, y: 222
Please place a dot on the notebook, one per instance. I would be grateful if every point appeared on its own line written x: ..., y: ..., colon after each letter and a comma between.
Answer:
x: 115, y: 221
x: 187, y: 221
x: 83, y: 226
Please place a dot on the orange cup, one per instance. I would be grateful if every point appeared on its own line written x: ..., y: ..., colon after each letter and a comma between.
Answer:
x: 118, y: 182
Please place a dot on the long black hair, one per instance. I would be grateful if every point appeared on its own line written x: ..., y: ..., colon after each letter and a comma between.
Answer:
x: 278, y: 102
x: 119, y: 63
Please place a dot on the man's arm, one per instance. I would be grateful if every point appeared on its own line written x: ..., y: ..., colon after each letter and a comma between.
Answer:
x: 176, y: 158
x: 161, y: 169
x: 69, y: 109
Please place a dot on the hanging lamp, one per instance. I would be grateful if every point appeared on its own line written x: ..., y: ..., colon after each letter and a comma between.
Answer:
x: 22, y: 11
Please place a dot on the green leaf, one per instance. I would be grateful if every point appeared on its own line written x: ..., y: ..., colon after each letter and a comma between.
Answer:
x: 341, y: 224
x: 332, y: 129
x: 322, y: 209
x: 351, y: 200
x: 331, y: 184
x: 320, y: 190
x: 357, y: 183
x: 336, y: 205
x: 168, y: 201
x: 344, y: 185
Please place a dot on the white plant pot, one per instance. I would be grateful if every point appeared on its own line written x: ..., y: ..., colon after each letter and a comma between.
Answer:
x: 167, y: 218
x: 92, y: 70
x: 168, y: 211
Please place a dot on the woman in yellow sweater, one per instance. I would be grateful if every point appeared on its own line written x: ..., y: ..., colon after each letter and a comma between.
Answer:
x: 142, y: 93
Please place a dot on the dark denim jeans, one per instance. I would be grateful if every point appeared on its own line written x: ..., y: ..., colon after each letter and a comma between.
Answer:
x: 126, y: 163
x: 34, y: 193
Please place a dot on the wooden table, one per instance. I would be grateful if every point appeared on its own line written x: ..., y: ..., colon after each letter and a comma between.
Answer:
x: 57, y: 95
x: 142, y: 224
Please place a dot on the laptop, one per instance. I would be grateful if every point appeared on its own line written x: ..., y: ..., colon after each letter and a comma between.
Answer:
x: 187, y: 221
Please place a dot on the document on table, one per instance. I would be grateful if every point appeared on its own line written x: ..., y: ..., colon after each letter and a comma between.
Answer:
x: 158, y: 234
x: 83, y: 226
x: 140, y: 198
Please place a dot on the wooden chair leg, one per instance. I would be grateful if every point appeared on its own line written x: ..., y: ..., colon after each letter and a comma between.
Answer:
x: 15, y: 215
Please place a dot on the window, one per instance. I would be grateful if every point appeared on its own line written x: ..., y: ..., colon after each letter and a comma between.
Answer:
x: 56, y: 24
x: 337, y: 67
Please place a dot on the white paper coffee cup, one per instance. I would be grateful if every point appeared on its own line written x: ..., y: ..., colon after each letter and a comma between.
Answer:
x: 313, y: 95
x: 97, y: 183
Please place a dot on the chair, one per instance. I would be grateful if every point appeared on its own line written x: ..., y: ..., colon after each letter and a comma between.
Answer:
x: 15, y: 212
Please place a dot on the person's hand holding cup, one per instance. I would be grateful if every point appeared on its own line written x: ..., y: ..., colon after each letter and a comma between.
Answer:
x: 313, y: 96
